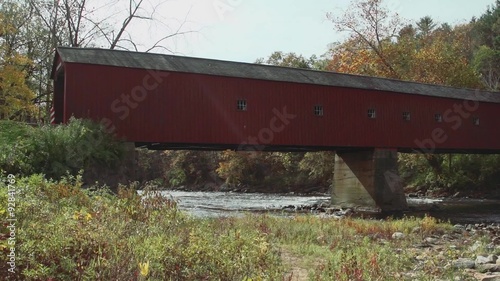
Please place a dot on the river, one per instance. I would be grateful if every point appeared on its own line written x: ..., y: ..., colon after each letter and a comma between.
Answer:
x: 223, y: 204
x: 215, y: 204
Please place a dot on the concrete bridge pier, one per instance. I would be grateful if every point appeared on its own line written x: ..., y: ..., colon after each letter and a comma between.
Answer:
x: 368, y: 179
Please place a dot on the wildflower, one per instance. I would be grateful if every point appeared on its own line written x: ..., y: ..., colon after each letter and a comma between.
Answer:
x: 79, y: 215
x: 144, y: 268
x: 264, y: 246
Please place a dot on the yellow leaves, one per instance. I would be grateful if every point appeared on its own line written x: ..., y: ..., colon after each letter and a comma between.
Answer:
x: 144, y: 269
x: 263, y: 246
x: 83, y: 216
x: 16, y: 98
x: 429, y: 224
x: 5, y: 28
x: 354, y: 58
x: 442, y: 62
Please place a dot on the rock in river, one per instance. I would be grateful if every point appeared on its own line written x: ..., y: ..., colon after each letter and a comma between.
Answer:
x: 398, y: 235
x: 485, y: 260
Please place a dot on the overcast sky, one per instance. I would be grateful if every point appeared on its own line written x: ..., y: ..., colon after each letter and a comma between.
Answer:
x: 244, y: 30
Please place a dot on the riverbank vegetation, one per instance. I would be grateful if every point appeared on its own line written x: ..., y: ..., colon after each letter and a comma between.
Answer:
x: 64, y: 232
x: 268, y: 172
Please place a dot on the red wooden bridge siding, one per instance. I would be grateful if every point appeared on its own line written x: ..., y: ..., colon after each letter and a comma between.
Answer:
x: 200, y: 110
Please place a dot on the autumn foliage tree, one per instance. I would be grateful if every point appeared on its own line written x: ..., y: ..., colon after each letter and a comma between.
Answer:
x: 16, y: 98
x: 380, y: 44
x: 437, y: 56
x: 371, y: 28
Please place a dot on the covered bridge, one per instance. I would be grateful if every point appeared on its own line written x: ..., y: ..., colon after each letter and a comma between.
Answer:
x: 174, y: 102
x: 167, y: 101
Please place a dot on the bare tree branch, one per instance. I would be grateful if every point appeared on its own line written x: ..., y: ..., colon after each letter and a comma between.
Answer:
x: 129, y: 41
x: 97, y: 25
x: 51, y: 23
x: 156, y: 45
x: 176, y: 33
x: 69, y: 22
x: 126, y: 22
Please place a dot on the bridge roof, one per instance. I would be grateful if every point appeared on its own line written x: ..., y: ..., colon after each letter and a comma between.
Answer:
x: 263, y: 72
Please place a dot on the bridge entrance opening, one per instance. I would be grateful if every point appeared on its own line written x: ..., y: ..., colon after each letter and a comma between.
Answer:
x: 59, y: 86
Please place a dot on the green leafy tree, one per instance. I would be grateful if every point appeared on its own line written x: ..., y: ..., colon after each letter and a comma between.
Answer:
x: 318, y: 166
x: 487, y: 39
x: 287, y: 60
x: 486, y: 62
x: 30, y: 39
x: 487, y: 27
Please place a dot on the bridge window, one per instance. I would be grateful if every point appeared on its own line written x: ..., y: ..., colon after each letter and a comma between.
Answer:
x: 438, y: 117
x: 318, y: 110
x: 372, y: 113
x: 242, y: 105
x: 475, y: 121
x: 406, y: 116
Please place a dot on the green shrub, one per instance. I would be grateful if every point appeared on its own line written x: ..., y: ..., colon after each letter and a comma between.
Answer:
x: 56, y: 150
x: 14, y: 147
